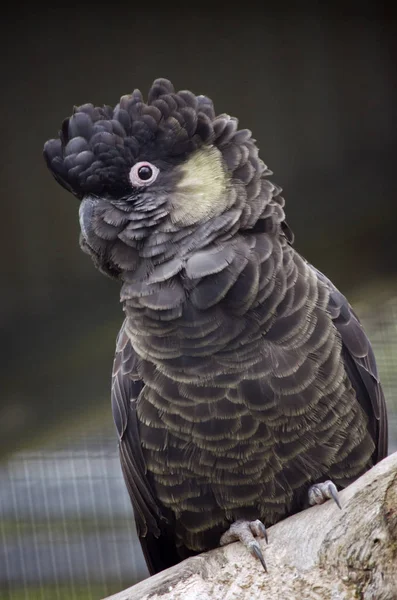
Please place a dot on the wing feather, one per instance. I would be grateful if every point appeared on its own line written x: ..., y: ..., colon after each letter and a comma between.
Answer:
x: 152, y: 521
x: 360, y: 366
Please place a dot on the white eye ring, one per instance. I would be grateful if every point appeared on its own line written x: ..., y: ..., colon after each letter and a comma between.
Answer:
x: 143, y: 173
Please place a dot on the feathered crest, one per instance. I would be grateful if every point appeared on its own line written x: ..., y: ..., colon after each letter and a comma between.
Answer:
x: 98, y: 145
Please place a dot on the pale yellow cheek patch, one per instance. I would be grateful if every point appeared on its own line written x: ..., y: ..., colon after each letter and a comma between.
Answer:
x: 202, y: 190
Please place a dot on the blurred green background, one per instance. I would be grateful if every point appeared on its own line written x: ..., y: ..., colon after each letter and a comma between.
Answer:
x: 319, y: 91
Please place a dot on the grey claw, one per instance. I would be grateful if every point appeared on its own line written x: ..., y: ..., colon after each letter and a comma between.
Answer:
x: 264, y: 532
x: 334, y: 493
x: 245, y: 532
x: 255, y: 549
x: 320, y: 492
x: 258, y: 529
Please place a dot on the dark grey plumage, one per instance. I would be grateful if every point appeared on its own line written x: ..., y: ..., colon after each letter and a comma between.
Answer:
x: 242, y: 376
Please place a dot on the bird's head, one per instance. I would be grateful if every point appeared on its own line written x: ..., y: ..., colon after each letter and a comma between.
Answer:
x: 160, y: 178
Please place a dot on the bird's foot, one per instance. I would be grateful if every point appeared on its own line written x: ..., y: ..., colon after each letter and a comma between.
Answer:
x: 321, y: 492
x: 245, y: 532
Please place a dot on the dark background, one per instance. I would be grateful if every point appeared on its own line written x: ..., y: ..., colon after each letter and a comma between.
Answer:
x: 317, y: 87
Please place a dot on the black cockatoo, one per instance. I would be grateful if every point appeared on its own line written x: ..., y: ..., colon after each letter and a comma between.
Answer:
x: 244, y: 386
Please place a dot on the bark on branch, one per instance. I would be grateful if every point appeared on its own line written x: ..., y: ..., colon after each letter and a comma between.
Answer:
x: 319, y: 554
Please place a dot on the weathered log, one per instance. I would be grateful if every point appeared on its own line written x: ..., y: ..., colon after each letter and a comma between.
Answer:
x: 322, y: 553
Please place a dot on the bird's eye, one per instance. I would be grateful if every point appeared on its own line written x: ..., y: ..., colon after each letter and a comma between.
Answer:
x: 143, y: 173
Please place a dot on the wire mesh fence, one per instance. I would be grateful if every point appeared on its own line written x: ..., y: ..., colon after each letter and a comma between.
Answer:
x: 66, y: 522
x: 66, y: 525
